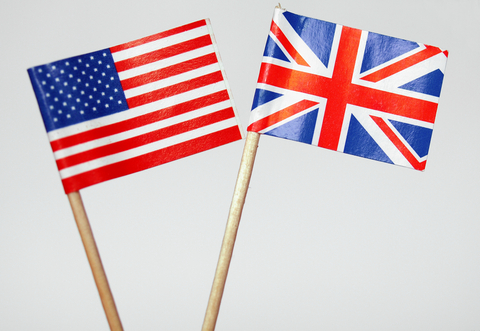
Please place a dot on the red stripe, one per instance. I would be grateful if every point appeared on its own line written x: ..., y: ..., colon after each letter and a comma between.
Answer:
x: 399, y: 144
x: 150, y: 160
x: 145, y: 139
x: 288, y: 46
x: 339, y: 88
x: 359, y: 95
x: 157, y: 36
x: 402, y: 64
x: 139, y: 121
x: 163, y: 53
x: 280, y: 115
x: 172, y: 70
x: 175, y: 89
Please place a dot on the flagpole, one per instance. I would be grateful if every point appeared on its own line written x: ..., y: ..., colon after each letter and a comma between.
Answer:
x: 95, y: 262
x: 238, y: 200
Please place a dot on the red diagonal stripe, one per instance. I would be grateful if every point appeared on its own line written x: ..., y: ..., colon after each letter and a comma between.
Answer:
x: 151, y: 160
x: 403, y: 64
x: 281, y: 115
x: 399, y: 144
x: 144, y: 139
x: 288, y: 46
x: 157, y: 36
x: 172, y: 90
x: 139, y: 121
x: 169, y: 71
x: 163, y: 53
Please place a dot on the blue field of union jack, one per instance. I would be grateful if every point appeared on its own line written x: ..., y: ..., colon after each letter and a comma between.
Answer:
x: 348, y: 90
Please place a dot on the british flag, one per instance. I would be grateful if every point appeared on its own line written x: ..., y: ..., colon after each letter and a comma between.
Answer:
x: 348, y: 90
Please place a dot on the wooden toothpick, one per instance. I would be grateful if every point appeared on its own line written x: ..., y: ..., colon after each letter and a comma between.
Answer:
x: 243, y: 179
x: 95, y: 262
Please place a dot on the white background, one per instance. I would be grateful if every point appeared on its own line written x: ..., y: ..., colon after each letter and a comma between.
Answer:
x: 327, y: 241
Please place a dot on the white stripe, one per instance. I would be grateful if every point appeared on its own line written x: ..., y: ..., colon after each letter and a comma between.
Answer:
x: 160, y: 43
x: 134, y: 112
x: 166, y: 62
x: 145, y: 149
x: 183, y: 77
x: 140, y: 131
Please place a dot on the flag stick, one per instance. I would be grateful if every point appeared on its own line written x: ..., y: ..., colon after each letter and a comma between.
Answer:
x: 243, y: 179
x: 95, y: 262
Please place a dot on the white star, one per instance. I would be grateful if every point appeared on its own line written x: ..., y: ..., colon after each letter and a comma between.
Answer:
x: 54, y: 67
x: 68, y: 115
x: 90, y: 97
x: 52, y: 87
x: 86, y: 104
x: 108, y: 66
x: 64, y: 103
x: 111, y: 98
x: 70, y: 76
x: 111, y: 78
x: 59, y: 111
x: 56, y: 99
x: 55, y: 119
x: 104, y: 54
x: 61, y: 92
x: 57, y: 79
x: 100, y: 62
x: 106, y: 105
x: 94, y: 108
x: 48, y: 94
x: 79, y: 60
x: 74, y: 68
x: 91, y: 77
x: 40, y: 70
x: 99, y: 82
x: 87, y: 85
x: 48, y: 75
x: 103, y: 93
x: 87, y: 65
x: 67, y: 64
x: 62, y: 72
x: 95, y: 69
x: 73, y: 107
x: 83, y: 72
x: 74, y: 88
x: 69, y: 96
x: 44, y: 82
x: 78, y: 100
x: 81, y: 112
x: 65, y: 84
x: 91, y: 57
x: 98, y: 101
x: 51, y: 107
x: 119, y: 102
x: 107, y: 86
x: 82, y: 92
x: 79, y: 80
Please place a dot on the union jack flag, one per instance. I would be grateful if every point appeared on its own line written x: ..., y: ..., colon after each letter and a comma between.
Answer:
x: 348, y: 90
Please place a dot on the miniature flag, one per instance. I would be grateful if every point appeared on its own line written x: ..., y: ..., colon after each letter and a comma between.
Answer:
x: 348, y: 90
x: 131, y: 107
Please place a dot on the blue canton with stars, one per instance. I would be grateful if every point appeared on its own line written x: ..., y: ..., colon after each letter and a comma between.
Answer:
x: 78, y: 89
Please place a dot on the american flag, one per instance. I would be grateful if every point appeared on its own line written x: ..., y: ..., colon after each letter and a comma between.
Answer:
x: 348, y: 90
x: 131, y: 107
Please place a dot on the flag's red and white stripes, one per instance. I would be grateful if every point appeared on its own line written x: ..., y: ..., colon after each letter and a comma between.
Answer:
x: 179, y: 105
